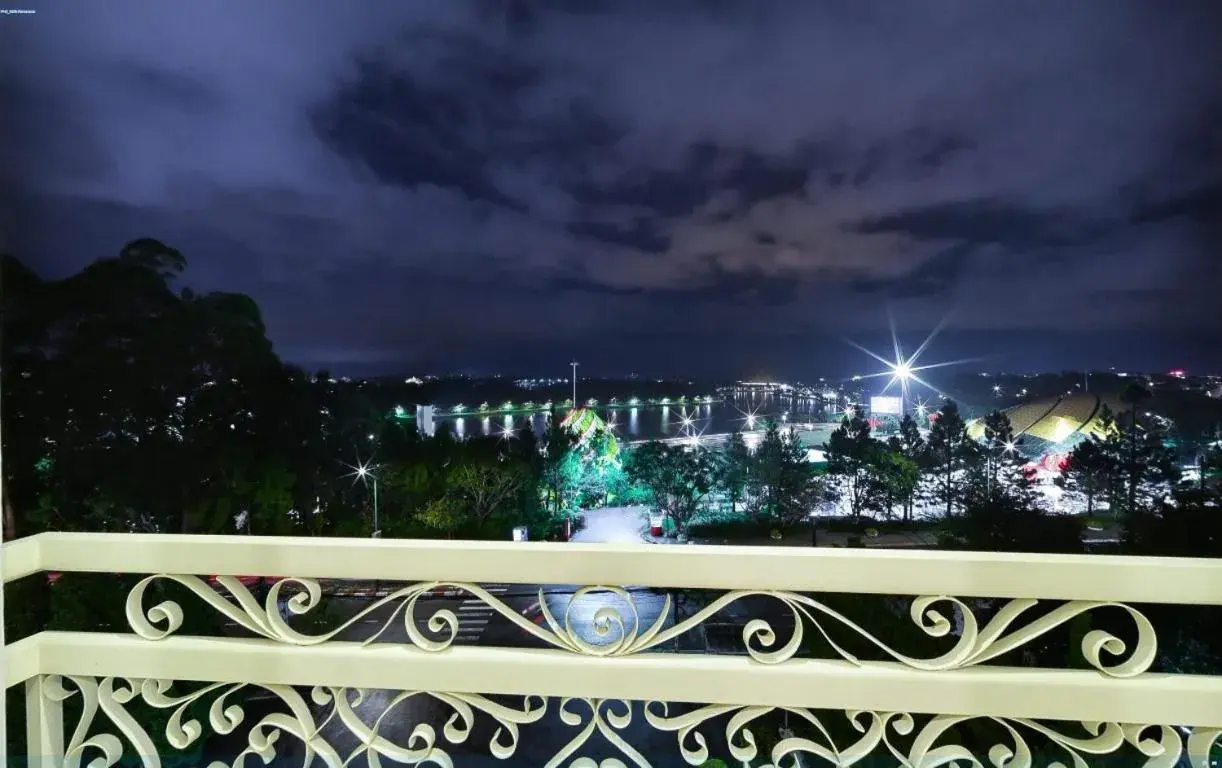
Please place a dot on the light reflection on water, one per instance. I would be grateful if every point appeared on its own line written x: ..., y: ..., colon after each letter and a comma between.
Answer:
x: 648, y: 422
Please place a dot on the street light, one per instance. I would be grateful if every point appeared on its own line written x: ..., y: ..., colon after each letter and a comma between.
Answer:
x: 574, y: 364
x: 364, y: 472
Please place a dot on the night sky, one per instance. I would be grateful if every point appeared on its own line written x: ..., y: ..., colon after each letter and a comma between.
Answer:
x: 666, y: 186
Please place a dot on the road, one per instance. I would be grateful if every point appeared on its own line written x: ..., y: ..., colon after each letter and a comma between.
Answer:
x: 481, y: 624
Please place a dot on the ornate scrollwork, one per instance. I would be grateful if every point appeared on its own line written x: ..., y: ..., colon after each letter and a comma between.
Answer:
x: 1160, y: 745
x: 112, y: 696
x: 625, y: 634
x: 938, y: 740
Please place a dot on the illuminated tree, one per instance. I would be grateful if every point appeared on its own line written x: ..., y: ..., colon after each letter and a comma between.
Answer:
x: 679, y: 478
x: 735, y: 470
x: 1090, y: 471
x: 783, y: 485
x: 952, y: 454
x: 853, y: 456
x: 912, y: 448
x: 999, y: 469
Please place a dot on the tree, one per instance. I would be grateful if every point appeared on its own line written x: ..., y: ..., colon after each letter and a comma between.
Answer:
x: 854, y: 456
x: 911, y: 446
x: 1145, y: 467
x: 113, y: 375
x: 679, y: 478
x: 735, y: 470
x: 1002, y: 464
x: 1089, y: 471
x: 783, y: 486
x: 1003, y: 523
x: 952, y: 454
x: 897, y: 476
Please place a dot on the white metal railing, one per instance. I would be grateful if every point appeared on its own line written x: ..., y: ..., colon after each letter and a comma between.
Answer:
x: 904, y: 705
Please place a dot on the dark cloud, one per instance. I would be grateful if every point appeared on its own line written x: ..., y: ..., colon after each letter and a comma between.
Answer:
x: 415, y: 181
x: 935, y: 276
x: 640, y: 235
x: 1201, y: 205
x: 986, y: 222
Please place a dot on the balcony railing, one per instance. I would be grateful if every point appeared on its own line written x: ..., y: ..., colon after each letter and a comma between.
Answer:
x: 583, y: 675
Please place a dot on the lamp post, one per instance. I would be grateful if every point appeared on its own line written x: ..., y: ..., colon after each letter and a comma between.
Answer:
x: 574, y: 364
x: 363, y: 472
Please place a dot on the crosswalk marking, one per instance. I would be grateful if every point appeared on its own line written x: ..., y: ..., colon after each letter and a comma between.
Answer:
x: 475, y: 607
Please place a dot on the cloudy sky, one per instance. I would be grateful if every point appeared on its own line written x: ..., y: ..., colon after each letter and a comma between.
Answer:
x: 704, y: 185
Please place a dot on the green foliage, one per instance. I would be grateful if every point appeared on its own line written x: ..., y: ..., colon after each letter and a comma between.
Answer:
x: 1005, y: 523
x: 734, y: 470
x: 783, y: 487
x: 678, y: 478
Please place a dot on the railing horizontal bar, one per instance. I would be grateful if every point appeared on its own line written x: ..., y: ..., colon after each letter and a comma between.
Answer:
x: 22, y: 557
x: 878, y: 686
x: 913, y: 572
x: 20, y: 661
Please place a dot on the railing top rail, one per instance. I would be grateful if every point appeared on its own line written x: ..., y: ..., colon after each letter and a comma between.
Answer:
x: 877, y: 686
x: 1106, y: 578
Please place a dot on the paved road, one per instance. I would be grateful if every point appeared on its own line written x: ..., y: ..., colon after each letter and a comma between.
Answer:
x: 480, y: 624
x: 611, y: 524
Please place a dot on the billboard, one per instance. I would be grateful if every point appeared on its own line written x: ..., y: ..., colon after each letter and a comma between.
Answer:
x: 893, y: 406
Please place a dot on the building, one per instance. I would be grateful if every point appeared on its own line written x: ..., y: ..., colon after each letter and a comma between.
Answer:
x: 1050, y: 428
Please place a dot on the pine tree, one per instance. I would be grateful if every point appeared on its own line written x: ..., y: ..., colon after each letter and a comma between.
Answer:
x: 952, y: 454
x: 853, y: 456
x: 784, y: 488
x: 911, y: 445
x: 1145, y: 467
x: 736, y: 467
x: 1002, y: 464
x: 1089, y: 471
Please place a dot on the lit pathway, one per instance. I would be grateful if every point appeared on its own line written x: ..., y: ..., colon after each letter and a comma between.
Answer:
x: 611, y: 525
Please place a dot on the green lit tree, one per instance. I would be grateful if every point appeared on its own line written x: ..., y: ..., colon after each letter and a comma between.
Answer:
x: 910, y: 444
x: 679, y: 479
x: 735, y: 471
x: 897, y: 476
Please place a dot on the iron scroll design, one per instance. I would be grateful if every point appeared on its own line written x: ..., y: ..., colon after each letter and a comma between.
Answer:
x: 623, y: 632
x: 107, y: 726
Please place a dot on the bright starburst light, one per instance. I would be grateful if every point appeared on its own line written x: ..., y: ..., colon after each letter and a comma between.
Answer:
x: 903, y: 369
x: 361, y: 471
